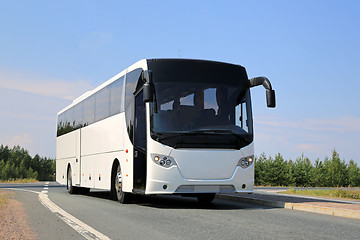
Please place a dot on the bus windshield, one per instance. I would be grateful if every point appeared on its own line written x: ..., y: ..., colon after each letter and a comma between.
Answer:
x: 202, y: 112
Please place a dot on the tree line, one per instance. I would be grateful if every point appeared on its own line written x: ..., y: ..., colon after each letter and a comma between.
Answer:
x: 17, y: 163
x: 332, y: 172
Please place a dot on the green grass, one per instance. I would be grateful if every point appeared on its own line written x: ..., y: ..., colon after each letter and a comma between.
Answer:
x: 20, y: 180
x: 335, y: 192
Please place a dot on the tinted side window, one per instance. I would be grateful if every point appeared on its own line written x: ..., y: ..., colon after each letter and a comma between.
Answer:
x: 130, y: 84
x: 89, y: 110
x: 69, y: 119
x: 60, y: 124
x: 140, y: 122
x: 116, y: 93
x: 102, y: 104
x: 78, y: 115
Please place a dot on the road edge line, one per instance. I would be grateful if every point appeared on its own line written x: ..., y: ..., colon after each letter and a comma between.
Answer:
x: 79, y: 226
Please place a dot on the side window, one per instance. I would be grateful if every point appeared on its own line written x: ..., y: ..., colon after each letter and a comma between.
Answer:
x: 78, y: 115
x: 60, y: 124
x: 69, y: 119
x: 130, y: 84
x: 130, y: 87
x: 116, y: 93
x: 102, y: 104
x: 89, y: 110
x: 140, y: 122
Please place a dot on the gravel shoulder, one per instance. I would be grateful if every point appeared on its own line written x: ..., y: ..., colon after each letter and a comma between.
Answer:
x: 13, y: 220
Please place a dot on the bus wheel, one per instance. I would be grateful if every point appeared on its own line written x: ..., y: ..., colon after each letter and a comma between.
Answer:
x: 205, y: 197
x: 71, y: 189
x: 117, y: 192
x: 84, y: 190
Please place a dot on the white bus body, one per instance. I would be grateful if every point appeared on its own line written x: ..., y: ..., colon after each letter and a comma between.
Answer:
x: 192, y: 137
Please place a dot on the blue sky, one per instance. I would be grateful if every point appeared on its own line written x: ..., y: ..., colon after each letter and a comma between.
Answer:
x: 53, y: 51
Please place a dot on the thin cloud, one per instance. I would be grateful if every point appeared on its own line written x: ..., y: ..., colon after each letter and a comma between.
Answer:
x: 316, y: 138
x: 43, y: 86
x: 337, y: 125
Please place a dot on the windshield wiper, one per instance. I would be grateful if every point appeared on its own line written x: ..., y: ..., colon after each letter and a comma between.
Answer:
x: 218, y: 131
x: 162, y: 136
x: 211, y: 131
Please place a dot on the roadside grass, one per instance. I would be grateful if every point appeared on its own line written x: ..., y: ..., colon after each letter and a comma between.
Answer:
x: 3, y: 199
x: 335, y: 192
x: 20, y: 180
x: 4, y: 196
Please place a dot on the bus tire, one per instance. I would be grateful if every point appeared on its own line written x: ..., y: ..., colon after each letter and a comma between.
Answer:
x: 205, y: 198
x: 84, y: 190
x: 71, y: 189
x: 116, y: 189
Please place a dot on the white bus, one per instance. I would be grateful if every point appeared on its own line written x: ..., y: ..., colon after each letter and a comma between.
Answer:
x: 162, y: 126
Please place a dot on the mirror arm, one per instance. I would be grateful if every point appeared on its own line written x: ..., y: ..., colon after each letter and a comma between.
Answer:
x: 260, y: 81
x: 270, y: 94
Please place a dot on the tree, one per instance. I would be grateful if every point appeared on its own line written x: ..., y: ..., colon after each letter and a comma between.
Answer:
x: 302, y: 171
x: 354, y: 174
x: 336, y: 171
x: 260, y: 169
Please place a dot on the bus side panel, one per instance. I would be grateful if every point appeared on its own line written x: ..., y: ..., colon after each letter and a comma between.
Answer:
x: 66, y: 148
x: 101, y: 144
x: 103, y: 136
x: 87, y: 171
x: 103, y: 166
x: 61, y: 171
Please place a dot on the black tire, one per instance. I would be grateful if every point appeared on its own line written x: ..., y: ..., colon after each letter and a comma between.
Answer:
x: 205, y: 198
x: 116, y: 188
x: 71, y: 189
x: 84, y: 190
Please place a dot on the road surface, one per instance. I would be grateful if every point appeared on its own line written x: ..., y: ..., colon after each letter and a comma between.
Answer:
x: 173, y: 217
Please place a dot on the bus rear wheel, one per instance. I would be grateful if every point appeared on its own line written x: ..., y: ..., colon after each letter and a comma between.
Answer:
x: 71, y: 189
x: 205, y: 198
x: 116, y: 190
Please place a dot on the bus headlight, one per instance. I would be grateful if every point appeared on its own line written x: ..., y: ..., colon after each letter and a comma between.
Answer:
x: 162, y: 160
x: 246, y: 161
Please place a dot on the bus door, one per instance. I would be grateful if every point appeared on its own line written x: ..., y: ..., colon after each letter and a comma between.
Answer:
x: 139, y: 143
x: 77, y: 164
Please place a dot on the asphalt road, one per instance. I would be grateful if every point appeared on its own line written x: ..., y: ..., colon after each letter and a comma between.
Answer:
x: 173, y: 217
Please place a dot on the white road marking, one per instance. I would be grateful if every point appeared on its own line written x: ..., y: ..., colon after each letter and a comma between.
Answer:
x: 85, y: 230
x: 24, y: 190
x: 47, y: 183
x: 79, y: 226
x: 46, y: 188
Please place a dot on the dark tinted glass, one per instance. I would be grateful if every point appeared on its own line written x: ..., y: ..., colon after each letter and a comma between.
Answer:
x: 105, y: 103
x: 89, y: 110
x: 130, y: 84
x: 116, y: 93
x: 140, y: 122
x: 102, y: 104
x: 78, y: 115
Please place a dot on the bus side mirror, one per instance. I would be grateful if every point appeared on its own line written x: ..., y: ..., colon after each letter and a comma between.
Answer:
x: 148, y: 87
x: 270, y: 98
x: 148, y: 92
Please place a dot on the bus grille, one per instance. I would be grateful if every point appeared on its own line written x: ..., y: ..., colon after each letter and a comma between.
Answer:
x: 205, y: 189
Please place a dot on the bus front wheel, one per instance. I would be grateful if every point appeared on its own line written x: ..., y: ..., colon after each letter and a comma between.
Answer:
x: 116, y: 190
